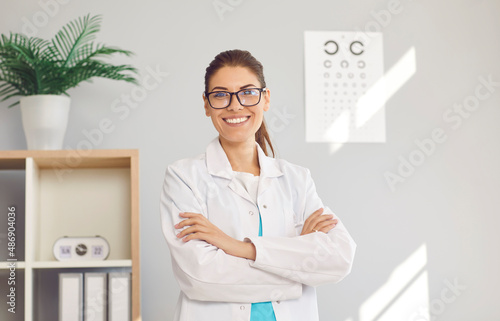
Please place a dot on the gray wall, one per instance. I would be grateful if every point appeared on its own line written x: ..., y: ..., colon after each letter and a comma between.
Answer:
x: 432, y: 238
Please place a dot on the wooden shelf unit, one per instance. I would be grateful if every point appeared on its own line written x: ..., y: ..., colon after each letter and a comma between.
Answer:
x: 77, y: 193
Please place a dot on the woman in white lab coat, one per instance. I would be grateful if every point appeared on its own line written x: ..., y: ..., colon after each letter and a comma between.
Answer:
x: 248, y: 235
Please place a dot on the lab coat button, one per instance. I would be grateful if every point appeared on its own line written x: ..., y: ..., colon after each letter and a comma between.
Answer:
x: 278, y: 302
x: 242, y: 307
x: 251, y: 213
x: 264, y: 206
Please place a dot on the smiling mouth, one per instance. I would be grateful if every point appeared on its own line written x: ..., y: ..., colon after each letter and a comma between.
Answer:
x: 236, y: 120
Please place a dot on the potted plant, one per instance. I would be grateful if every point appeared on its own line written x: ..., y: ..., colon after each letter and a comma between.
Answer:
x: 42, y: 71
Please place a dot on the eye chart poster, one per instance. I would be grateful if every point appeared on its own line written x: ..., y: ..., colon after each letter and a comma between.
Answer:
x: 344, y: 87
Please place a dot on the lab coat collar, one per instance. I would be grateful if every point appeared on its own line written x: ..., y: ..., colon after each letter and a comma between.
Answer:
x: 218, y: 163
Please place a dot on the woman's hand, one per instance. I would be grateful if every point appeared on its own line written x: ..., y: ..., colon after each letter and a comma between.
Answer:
x: 199, y: 227
x: 317, y: 222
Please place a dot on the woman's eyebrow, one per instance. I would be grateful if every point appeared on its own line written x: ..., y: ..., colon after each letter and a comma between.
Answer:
x: 246, y: 86
x: 242, y: 87
x: 219, y: 88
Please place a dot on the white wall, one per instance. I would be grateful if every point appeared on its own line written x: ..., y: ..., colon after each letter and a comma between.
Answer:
x: 436, y: 228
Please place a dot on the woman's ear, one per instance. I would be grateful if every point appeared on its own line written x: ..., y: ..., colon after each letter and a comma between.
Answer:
x: 206, y: 105
x: 267, y: 99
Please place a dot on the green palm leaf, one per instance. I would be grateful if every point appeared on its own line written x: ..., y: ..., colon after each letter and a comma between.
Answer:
x: 73, y: 36
x: 30, y: 66
x: 88, y: 69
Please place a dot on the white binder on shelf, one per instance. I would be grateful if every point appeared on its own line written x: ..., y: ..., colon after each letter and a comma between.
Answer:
x: 95, y: 297
x: 70, y: 297
x: 119, y: 296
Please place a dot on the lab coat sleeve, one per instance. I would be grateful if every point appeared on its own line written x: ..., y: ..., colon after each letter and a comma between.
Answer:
x: 203, y: 271
x: 311, y: 259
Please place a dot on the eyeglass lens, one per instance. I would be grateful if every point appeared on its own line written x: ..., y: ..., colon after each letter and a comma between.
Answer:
x: 246, y: 97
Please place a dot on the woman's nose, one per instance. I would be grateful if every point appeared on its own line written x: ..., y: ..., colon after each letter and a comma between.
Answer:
x: 235, y: 104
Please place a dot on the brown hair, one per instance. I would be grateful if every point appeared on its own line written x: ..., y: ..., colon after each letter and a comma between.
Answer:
x: 242, y: 58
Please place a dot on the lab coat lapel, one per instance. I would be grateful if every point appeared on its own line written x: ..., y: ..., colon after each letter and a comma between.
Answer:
x: 218, y: 165
x: 269, y: 170
x: 238, y: 189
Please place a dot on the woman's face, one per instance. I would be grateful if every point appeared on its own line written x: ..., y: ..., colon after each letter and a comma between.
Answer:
x: 236, y: 124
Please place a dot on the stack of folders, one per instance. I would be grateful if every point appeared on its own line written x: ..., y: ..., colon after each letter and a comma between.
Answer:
x: 94, y: 297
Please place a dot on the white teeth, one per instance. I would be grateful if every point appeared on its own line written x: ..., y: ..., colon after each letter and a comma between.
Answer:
x: 236, y: 120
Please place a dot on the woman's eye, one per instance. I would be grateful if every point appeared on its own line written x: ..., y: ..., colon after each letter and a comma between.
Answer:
x: 220, y: 95
x: 249, y: 92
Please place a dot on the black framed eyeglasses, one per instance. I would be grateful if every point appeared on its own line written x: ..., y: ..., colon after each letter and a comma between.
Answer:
x: 247, y: 97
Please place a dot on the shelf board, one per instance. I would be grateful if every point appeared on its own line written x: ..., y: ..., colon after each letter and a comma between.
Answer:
x: 68, y: 159
x: 4, y: 265
x: 64, y: 265
x: 80, y: 264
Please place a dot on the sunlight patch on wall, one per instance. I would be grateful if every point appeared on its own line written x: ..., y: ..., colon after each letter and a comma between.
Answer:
x: 377, y: 96
x: 371, y: 104
x: 403, y: 293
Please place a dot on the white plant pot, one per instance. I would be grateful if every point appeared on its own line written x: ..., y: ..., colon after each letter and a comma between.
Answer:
x: 45, y: 118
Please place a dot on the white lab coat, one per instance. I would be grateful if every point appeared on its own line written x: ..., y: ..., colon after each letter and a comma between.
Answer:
x: 218, y: 286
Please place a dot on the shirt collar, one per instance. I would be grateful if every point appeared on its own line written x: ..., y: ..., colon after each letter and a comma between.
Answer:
x: 218, y: 163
